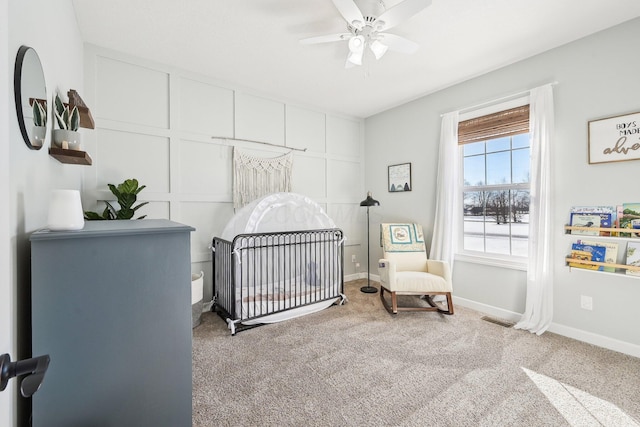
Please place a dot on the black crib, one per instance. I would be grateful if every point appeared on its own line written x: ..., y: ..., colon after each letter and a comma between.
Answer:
x: 258, y: 277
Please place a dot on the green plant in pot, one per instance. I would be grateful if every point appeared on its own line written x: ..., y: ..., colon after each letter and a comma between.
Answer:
x: 68, y: 120
x: 39, y: 123
x: 126, y: 194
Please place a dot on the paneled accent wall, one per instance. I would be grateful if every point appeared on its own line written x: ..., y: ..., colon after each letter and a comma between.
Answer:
x: 175, y: 131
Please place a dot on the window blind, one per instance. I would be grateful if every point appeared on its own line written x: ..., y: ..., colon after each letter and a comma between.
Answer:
x: 496, y: 125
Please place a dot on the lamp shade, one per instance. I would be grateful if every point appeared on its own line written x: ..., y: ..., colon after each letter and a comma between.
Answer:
x: 65, y: 211
x: 356, y: 50
x: 369, y: 201
x: 378, y: 49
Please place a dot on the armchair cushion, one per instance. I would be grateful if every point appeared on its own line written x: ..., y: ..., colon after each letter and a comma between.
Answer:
x: 411, y: 280
x: 419, y: 282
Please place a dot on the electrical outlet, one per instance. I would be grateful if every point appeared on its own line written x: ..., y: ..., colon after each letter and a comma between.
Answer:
x: 353, y: 258
x: 586, y: 302
x: 357, y: 265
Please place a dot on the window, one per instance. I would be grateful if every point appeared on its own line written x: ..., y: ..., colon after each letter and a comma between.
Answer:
x: 495, y: 159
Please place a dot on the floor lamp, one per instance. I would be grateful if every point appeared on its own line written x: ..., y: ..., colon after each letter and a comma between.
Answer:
x: 368, y: 202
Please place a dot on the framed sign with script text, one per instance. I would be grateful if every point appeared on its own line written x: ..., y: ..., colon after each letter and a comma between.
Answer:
x: 614, y: 139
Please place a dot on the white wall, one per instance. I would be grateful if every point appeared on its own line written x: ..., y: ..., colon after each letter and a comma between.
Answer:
x: 175, y: 130
x: 50, y: 28
x: 597, y: 77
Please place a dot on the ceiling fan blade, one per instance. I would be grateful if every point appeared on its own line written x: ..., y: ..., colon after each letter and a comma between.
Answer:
x: 400, y: 12
x: 350, y: 12
x: 398, y: 44
x: 326, y: 39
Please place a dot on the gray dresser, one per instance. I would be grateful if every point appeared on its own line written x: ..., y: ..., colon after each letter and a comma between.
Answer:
x: 111, y: 305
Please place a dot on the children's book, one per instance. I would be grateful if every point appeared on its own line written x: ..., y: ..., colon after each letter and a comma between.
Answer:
x: 594, y: 209
x: 588, y: 220
x: 607, y: 217
x: 633, y: 257
x: 611, y: 252
x: 588, y: 253
x: 580, y: 256
x: 630, y: 218
x: 616, y: 222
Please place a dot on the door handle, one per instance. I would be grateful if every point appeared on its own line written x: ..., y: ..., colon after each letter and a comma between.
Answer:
x: 35, y: 367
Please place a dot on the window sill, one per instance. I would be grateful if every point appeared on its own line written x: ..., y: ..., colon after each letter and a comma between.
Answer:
x: 512, y: 263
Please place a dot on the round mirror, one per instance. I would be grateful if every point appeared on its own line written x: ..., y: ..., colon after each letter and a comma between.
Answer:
x: 31, y: 97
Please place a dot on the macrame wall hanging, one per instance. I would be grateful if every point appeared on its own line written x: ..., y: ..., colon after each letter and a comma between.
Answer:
x: 254, y: 177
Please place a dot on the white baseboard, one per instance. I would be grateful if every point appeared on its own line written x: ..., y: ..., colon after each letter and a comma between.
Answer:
x: 350, y: 277
x: 356, y: 276
x: 566, y: 331
x: 487, y: 309
x: 595, y: 339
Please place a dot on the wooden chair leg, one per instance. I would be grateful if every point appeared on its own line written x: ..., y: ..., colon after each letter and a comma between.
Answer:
x: 384, y: 301
x: 449, y: 309
x: 394, y: 303
x: 449, y: 303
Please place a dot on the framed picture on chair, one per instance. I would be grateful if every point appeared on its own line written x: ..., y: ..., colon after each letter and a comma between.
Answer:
x: 400, y: 177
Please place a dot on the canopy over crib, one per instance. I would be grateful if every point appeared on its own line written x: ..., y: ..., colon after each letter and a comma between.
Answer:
x: 278, y: 212
x: 279, y: 257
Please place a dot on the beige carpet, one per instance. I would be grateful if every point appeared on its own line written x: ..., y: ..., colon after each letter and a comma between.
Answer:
x: 356, y: 365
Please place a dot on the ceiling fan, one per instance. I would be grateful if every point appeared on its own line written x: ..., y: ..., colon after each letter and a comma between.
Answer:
x: 366, y: 25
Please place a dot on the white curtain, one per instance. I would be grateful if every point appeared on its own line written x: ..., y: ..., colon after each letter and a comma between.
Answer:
x: 444, y: 228
x: 539, y: 304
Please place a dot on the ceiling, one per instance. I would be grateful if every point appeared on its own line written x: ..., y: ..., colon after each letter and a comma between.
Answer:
x: 253, y: 44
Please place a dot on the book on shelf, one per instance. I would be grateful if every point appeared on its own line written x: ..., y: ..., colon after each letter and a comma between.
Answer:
x: 610, y: 255
x: 579, y: 219
x: 580, y: 256
x: 630, y: 218
x: 582, y: 252
x: 594, y: 209
x: 584, y: 215
x: 633, y: 257
x: 618, y: 218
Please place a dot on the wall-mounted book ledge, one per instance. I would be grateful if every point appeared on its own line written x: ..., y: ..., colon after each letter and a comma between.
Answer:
x: 607, y: 249
x: 613, y: 231
x: 596, y: 264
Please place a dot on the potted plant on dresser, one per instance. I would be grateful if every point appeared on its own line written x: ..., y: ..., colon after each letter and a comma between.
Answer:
x: 126, y: 195
x: 67, y: 137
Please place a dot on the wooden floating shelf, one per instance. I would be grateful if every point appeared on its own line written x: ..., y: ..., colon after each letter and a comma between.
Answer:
x: 603, y: 264
x: 568, y: 228
x: 86, y: 119
x: 74, y: 157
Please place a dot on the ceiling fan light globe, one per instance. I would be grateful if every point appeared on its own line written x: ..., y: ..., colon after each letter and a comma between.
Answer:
x: 378, y: 49
x: 356, y: 44
x: 355, y: 58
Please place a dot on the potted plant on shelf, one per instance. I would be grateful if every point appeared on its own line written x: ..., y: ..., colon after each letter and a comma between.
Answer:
x: 39, y: 123
x: 126, y: 194
x: 67, y: 136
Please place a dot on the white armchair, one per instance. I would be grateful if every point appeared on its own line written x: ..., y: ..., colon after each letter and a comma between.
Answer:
x: 406, y: 270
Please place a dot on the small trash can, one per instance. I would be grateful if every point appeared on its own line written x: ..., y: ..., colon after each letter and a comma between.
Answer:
x: 196, y: 298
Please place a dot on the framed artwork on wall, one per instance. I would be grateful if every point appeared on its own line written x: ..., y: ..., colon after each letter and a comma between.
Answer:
x: 614, y: 139
x: 400, y: 177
